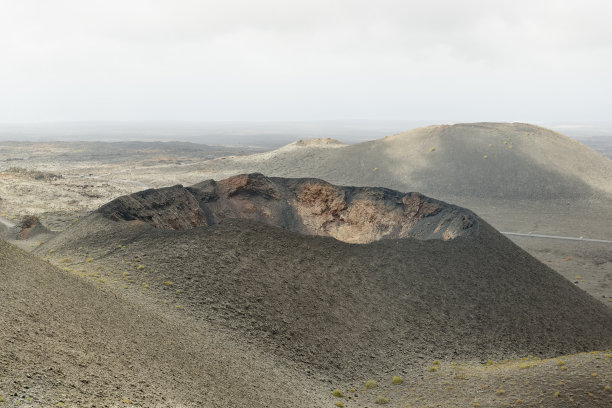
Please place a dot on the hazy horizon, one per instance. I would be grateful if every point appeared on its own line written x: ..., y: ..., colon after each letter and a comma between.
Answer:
x: 267, y: 134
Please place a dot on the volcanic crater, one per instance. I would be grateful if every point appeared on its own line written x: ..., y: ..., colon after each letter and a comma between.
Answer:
x: 264, y: 258
x: 308, y: 206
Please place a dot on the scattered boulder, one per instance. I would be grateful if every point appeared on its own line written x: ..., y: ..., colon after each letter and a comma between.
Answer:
x: 29, y: 227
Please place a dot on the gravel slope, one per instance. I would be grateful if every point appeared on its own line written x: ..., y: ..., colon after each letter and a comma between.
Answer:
x: 65, y: 341
x: 348, y: 310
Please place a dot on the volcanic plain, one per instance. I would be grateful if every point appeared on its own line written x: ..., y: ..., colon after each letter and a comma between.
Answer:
x: 318, y: 274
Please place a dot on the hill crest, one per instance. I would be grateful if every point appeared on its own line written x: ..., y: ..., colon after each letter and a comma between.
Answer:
x: 307, y: 206
x: 458, y: 163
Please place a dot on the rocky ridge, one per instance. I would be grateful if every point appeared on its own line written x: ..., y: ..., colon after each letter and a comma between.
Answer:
x: 308, y: 206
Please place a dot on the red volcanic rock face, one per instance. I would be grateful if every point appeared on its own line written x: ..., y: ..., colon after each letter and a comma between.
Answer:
x: 307, y: 206
x: 246, y: 184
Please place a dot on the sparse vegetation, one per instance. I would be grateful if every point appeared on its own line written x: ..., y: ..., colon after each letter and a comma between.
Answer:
x: 381, y: 400
x: 34, y: 174
x: 337, y: 393
x: 397, y: 380
x: 371, y: 384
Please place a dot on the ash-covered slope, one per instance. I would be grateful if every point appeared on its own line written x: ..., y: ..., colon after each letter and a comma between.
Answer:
x: 307, y: 206
x: 347, y: 309
x: 479, y: 161
x: 65, y: 341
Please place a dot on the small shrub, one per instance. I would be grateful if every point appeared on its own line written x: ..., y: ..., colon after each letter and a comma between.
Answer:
x: 607, y: 388
x: 501, y: 391
x: 140, y: 267
x: 66, y: 260
x: 433, y: 149
x: 381, y: 400
x: 433, y: 369
x: 397, y: 380
x: 340, y: 404
x: 371, y: 384
x: 557, y: 394
x: 337, y: 393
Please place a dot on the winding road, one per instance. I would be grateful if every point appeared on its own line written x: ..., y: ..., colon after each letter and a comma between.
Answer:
x: 519, y: 234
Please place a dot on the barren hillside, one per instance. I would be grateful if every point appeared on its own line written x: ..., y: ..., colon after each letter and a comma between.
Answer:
x: 482, y: 161
x: 346, y: 309
x: 65, y: 341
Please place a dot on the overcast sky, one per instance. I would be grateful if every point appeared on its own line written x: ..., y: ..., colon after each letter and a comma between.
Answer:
x: 268, y: 60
